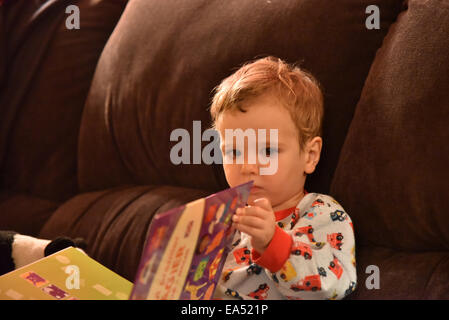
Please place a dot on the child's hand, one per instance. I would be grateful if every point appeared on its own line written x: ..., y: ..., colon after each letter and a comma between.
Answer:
x: 257, y: 221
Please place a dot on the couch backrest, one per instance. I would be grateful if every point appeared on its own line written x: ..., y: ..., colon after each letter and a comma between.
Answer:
x: 45, y: 74
x: 163, y: 59
x: 392, y: 175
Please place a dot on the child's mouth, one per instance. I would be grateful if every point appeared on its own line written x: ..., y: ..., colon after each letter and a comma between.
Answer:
x: 255, y: 189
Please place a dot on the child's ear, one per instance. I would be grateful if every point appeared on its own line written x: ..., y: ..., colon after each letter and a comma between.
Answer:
x: 313, y: 152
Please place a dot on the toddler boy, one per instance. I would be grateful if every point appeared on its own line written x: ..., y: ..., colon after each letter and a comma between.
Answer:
x: 290, y: 244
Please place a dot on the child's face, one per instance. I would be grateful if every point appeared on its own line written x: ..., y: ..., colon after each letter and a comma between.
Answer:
x: 285, y: 187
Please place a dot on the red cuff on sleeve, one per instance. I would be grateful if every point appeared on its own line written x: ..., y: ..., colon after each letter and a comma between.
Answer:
x: 276, y: 253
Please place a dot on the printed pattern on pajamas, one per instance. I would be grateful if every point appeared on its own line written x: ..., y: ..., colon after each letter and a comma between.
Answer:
x: 311, y: 256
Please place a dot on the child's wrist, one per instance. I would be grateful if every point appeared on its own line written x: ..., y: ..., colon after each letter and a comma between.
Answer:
x: 277, y: 252
x: 260, y: 248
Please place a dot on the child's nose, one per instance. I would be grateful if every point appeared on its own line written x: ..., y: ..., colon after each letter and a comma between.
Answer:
x: 248, y: 168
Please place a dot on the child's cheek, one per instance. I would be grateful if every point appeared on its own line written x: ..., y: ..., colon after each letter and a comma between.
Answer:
x: 231, y: 174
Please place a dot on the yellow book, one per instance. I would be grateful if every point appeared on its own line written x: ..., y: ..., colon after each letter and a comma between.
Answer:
x: 69, y: 274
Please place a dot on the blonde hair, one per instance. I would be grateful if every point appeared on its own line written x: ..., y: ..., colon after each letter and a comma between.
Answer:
x: 298, y: 91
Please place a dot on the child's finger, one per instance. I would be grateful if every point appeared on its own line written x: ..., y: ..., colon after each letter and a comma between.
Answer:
x: 251, y: 231
x: 256, y: 212
x: 251, y: 221
x: 239, y: 211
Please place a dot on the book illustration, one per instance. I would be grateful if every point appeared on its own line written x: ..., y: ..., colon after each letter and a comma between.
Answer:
x: 34, y: 279
x: 187, y: 247
x: 193, y: 290
x: 55, y: 292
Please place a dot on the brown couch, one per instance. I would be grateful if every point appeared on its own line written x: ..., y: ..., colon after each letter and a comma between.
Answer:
x: 86, y: 117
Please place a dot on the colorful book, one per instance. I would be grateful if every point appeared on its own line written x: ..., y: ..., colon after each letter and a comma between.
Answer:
x: 69, y: 274
x: 187, y: 246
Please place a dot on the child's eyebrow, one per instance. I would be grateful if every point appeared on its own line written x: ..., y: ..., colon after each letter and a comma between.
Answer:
x: 279, y: 144
x: 232, y: 145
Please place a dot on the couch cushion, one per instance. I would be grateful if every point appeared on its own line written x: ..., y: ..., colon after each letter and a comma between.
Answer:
x: 164, y: 58
x: 392, y: 176
x: 42, y: 95
x: 401, y: 275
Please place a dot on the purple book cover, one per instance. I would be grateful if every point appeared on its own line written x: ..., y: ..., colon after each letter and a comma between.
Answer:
x: 187, y: 246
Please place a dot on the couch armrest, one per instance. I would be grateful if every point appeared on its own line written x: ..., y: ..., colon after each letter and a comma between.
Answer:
x: 24, y: 213
x: 115, y: 222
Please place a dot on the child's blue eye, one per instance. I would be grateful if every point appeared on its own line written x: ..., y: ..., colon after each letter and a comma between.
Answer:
x: 269, y: 151
x: 234, y: 153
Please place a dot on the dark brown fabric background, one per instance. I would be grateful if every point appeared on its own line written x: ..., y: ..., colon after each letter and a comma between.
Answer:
x: 403, y: 275
x: 392, y: 176
x: 48, y: 74
x: 24, y: 213
x: 163, y: 59
x: 2, y: 48
x: 48, y: 70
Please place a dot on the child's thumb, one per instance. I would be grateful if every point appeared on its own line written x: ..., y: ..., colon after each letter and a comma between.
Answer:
x: 263, y: 203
